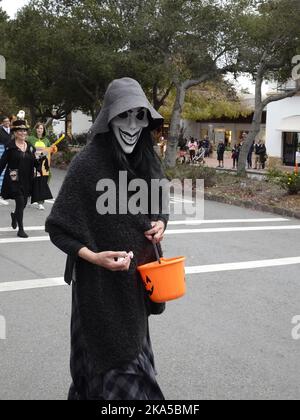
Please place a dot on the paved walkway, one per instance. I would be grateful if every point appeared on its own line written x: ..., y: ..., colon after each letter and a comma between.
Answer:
x: 212, y: 162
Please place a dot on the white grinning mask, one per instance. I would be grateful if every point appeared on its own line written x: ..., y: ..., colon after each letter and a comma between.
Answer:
x: 128, y: 127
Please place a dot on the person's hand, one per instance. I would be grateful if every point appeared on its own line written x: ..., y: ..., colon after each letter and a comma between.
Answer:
x: 156, y: 234
x: 53, y: 149
x: 113, y: 261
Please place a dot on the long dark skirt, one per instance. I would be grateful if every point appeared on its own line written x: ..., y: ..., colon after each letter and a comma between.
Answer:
x: 133, y: 381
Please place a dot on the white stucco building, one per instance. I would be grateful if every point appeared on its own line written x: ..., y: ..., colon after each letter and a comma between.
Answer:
x: 283, y: 130
x: 81, y: 123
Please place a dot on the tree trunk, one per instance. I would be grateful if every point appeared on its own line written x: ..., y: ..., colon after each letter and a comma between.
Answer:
x: 171, y: 152
x: 68, y: 127
x: 255, y: 127
x: 254, y: 131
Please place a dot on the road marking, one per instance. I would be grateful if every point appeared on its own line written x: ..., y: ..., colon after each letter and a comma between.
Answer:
x: 175, y: 223
x: 242, y: 265
x: 219, y: 221
x: 29, y: 229
x: 213, y: 268
x: 25, y: 240
x: 31, y: 284
x: 172, y: 232
x: 231, y: 229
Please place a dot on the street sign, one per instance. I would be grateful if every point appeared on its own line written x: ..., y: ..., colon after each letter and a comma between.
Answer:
x: 2, y: 67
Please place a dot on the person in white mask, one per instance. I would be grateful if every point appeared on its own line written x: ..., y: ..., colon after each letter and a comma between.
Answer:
x: 111, y: 352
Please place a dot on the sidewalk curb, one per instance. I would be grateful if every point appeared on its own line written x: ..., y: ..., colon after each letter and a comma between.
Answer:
x: 252, y: 205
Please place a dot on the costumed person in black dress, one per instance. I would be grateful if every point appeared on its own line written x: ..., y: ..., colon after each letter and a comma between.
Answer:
x: 111, y: 353
x: 19, y: 161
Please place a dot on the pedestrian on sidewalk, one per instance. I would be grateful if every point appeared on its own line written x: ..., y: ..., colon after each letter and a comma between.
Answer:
x: 249, y: 156
x: 263, y: 156
x: 235, y: 155
x: 220, y: 153
x: 257, y: 150
x: 207, y: 146
x: 111, y: 353
x: 192, y: 149
x: 5, y: 137
x: 39, y: 140
x: 19, y: 161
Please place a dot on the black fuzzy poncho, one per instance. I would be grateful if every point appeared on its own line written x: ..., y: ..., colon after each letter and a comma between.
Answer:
x: 113, y: 306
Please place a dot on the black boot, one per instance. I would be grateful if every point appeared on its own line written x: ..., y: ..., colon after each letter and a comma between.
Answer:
x: 22, y: 234
x: 14, y: 223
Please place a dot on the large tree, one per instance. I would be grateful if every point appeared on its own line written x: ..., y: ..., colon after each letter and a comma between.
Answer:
x: 201, y: 48
x: 270, y: 38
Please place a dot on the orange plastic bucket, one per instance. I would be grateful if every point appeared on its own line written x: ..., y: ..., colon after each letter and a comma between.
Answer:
x: 165, y: 281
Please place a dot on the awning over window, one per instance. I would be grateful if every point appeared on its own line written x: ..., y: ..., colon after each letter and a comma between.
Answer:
x: 290, y: 124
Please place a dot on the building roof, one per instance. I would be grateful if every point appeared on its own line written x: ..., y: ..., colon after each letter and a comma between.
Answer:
x: 290, y: 124
x: 238, y: 120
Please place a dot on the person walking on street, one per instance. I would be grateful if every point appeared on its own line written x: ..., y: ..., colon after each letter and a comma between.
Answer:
x: 5, y: 137
x: 39, y: 140
x: 220, y: 153
x: 19, y: 161
x: 111, y: 353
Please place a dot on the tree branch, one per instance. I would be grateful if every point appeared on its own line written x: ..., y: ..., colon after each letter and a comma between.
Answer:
x: 195, y: 82
x: 275, y: 98
x: 158, y: 102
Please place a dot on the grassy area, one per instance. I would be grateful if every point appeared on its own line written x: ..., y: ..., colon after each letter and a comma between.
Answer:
x: 278, y: 190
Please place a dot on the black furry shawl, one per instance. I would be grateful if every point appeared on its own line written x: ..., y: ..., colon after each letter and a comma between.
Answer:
x: 113, y: 306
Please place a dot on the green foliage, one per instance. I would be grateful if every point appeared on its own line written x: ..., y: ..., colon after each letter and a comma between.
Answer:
x: 269, y: 37
x: 209, y: 100
x: 291, y: 182
x: 288, y: 181
x: 62, y: 54
x: 275, y: 175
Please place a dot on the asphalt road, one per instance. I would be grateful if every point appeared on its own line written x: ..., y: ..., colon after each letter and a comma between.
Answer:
x: 228, y: 338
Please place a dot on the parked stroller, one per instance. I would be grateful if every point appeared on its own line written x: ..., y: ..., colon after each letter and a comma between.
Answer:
x: 200, y: 156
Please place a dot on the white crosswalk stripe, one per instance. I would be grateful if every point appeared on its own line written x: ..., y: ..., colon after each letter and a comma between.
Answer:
x: 178, y: 223
x: 223, y: 221
x: 213, y: 268
x: 232, y: 229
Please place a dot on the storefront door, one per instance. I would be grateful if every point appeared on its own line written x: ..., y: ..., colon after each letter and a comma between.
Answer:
x: 291, y: 143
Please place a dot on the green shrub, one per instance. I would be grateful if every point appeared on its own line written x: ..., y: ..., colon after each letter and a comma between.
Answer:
x: 291, y: 182
x: 275, y: 175
x: 193, y: 172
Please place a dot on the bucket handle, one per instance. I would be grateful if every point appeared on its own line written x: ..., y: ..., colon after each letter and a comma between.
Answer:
x: 156, y: 251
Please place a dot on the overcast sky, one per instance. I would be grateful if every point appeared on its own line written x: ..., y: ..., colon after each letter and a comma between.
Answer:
x: 11, y: 6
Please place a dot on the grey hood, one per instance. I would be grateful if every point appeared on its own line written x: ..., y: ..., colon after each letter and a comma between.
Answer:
x: 122, y: 95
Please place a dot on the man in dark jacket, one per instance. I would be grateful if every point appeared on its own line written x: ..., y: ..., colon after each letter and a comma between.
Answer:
x: 5, y: 137
x: 5, y: 134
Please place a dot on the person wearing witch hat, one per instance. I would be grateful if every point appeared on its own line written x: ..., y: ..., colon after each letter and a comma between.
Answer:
x: 19, y: 161
x: 111, y: 352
